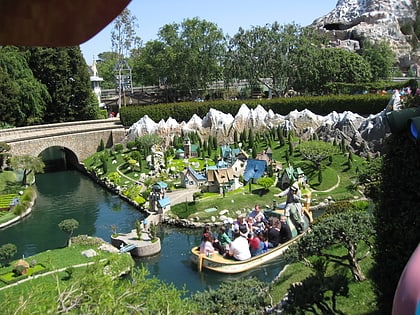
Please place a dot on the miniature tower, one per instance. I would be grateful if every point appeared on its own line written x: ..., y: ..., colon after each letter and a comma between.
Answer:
x: 95, y: 81
x: 187, y: 147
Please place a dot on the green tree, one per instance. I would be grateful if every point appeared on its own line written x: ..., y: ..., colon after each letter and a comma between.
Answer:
x: 65, y: 74
x: 262, y: 53
x: 317, y: 151
x: 27, y: 164
x: 192, y: 54
x: 97, y: 292
x: 7, y: 251
x: 23, y: 98
x: 265, y: 182
x: 381, y: 59
x: 106, y: 64
x: 347, y: 229
x: 247, y: 296
x: 316, y: 68
x: 370, y: 177
x: 68, y: 226
x: 146, y: 142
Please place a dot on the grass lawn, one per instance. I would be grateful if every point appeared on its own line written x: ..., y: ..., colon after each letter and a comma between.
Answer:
x: 58, y: 259
x: 361, y: 298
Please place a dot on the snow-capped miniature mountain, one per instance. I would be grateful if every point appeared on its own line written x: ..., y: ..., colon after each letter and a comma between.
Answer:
x: 364, y: 135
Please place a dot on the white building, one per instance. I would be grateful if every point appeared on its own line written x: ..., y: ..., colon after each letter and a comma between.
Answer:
x: 95, y: 81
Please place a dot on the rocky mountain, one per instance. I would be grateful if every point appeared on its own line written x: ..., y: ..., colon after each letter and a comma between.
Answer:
x: 364, y: 135
x: 353, y: 21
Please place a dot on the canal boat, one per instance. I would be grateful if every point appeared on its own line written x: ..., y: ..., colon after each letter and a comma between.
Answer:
x: 218, y: 263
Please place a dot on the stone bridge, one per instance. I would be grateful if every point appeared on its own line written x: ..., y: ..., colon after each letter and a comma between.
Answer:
x: 78, y: 140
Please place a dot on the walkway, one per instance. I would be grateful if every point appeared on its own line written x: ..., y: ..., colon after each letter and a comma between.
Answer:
x: 332, y: 188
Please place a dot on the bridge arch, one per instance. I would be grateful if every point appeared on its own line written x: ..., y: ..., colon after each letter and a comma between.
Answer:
x: 59, y: 158
x: 74, y: 140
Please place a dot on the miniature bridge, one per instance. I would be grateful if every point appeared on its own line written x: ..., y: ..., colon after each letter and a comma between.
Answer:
x: 78, y: 140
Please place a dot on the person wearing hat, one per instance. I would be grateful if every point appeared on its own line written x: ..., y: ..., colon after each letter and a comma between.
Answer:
x: 293, y: 207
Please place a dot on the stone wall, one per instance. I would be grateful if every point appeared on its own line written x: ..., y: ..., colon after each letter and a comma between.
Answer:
x: 82, y: 144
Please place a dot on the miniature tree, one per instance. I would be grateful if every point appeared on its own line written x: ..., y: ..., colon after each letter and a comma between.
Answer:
x: 68, y: 226
x: 7, y: 251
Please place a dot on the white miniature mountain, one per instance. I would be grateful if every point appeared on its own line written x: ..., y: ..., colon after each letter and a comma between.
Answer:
x: 364, y: 135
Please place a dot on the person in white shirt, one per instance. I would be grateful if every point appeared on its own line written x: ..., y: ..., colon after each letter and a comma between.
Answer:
x: 239, y: 248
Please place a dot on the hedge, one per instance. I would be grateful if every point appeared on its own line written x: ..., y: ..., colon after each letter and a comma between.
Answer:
x: 322, y: 105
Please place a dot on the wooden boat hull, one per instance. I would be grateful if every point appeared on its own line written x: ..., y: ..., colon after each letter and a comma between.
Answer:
x: 218, y: 263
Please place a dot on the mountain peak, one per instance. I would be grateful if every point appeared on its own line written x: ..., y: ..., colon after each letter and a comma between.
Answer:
x: 353, y: 21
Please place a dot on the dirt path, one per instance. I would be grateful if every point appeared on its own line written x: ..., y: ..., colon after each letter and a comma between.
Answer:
x: 332, y: 188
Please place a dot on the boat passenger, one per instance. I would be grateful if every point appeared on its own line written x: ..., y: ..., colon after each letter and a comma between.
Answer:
x: 273, y: 233
x: 239, y: 248
x: 240, y: 224
x: 257, y: 215
x: 222, y: 242
x: 263, y: 239
x: 256, y: 246
x: 285, y: 232
x: 207, y: 229
x: 206, y: 246
x: 229, y: 227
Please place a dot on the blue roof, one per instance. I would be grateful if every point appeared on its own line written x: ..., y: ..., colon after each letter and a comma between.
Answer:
x: 164, y: 202
x: 254, y: 169
x: 196, y: 175
x: 162, y: 184
x: 221, y: 164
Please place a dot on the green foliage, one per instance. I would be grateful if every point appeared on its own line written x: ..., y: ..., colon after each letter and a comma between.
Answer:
x: 23, y: 98
x: 317, y: 292
x: 370, y: 177
x: 68, y: 226
x: 265, y: 182
x: 317, y: 151
x: 28, y: 164
x: 134, y: 193
x: 101, y: 146
x: 188, y: 55
x: 119, y: 147
x: 63, y: 71
x: 397, y: 218
x: 337, y: 207
x: 348, y: 229
x: 244, y: 297
x: 7, y: 251
x: 114, y: 177
x: 381, y: 59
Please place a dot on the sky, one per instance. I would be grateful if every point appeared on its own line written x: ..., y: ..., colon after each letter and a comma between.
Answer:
x: 228, y: 15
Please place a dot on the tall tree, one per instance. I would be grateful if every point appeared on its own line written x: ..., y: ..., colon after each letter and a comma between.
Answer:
x: 190, y: 54
x: 262, y: 53
x: 123, y: 34
x: 65, y: 73
x: 22, y: 98
x: 381, y: 59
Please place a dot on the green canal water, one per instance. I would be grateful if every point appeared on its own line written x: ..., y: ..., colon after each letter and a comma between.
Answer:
x: 70, y: 194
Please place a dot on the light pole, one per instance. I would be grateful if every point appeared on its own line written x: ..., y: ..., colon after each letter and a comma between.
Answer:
x: 123, y: 80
